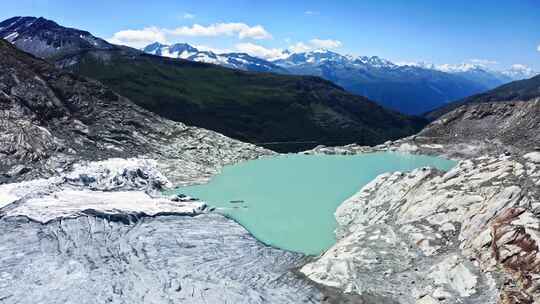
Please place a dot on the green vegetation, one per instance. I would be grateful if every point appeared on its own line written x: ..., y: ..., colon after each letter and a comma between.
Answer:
x: 252, y: 107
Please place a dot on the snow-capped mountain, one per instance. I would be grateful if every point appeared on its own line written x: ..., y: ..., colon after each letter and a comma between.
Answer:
x: 516, y: 72
x: 477, y: 73
x: 409, y: 89
x: 324, y: 56
x: 519, y: 72
x: 45, y: 38
x: 179, y: 50
x: 239, y: 61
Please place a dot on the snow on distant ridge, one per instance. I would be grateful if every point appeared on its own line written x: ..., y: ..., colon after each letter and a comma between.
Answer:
x: 515, y: 72
x: 241, y: 61
x: 520, y: 71
x: 323, y: 56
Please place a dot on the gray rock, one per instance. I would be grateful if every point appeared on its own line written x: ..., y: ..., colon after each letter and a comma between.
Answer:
x: 533, y: 157
x: 166, y: 259
x: 466, y: 236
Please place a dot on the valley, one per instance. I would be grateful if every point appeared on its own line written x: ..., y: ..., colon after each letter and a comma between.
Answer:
x: 178, y: 175
x: 248, y: 106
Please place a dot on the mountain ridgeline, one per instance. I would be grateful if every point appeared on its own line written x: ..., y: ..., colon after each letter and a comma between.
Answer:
x: 284, y: 113
x: 281, y: 112
x: 240, y: 61
x: 45, y: 39
x: 412, y: 88
x: 408, y: 89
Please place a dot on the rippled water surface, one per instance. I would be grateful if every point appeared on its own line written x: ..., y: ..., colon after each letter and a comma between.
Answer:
x: 289, y: 201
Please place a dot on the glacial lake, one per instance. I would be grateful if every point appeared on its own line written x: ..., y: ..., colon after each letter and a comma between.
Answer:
x: 289, y: 201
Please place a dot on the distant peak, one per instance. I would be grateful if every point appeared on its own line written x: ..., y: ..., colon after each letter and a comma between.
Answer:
x: 462, y: 67
x: 176, y: 47
x: 156, y: 44
x: 45, y: 38
x: 321, y: 50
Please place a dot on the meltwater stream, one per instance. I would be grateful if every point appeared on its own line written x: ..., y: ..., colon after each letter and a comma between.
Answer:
x: 289, y: 201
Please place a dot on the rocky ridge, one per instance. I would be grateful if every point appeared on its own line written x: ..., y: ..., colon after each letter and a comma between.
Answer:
x: 45, y: 38
x: 470, y: 235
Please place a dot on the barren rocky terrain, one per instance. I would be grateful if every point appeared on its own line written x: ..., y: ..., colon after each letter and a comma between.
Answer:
x: 83, y: 218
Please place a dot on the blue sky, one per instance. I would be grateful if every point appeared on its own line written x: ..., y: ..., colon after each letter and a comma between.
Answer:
x: 505, y: 32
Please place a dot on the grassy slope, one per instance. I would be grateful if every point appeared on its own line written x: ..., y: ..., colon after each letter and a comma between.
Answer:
x: 253, y: 107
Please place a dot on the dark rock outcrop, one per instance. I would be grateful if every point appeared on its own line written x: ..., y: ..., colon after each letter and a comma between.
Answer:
x: 45, y: 38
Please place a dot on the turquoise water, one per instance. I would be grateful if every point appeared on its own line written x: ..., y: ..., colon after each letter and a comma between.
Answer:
x: 289, y: 201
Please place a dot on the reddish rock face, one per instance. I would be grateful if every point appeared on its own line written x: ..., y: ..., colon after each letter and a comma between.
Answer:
x: 514, y: 246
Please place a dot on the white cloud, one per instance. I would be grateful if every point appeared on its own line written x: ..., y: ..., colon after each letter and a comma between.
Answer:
x: 276, y: 53
x: 189, y: 16
x: 325, y: 43
x: 139, y: 38
x: 538, y: 48
x: 518, y: 66
x: 315, y: 43
x: 212, y: 49
x: 259, y: 51
x: 221, y: 29
x: 311, y: 13
x: 300, y: 47
x: 484, y: 62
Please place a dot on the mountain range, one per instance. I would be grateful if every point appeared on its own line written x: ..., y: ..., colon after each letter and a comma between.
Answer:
x: 281, y: 112
x: 412, y: 88
x: 241, y: 61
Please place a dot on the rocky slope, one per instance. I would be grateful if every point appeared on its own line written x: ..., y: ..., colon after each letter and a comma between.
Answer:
x: 507, y: 117
x: 470, y: 235
x: 493, y: 125
x: 50, y: 119
x: 523, y: 90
